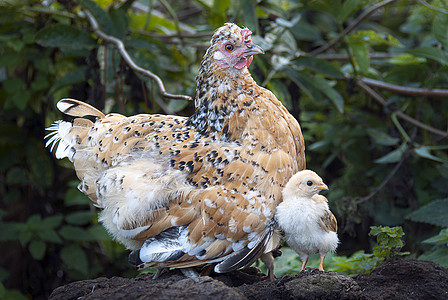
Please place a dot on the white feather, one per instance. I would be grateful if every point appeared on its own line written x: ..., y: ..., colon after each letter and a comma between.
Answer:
x: 163, y: 249
x: 298, y: 216
x: 131, y: 233
x: 59, y: 131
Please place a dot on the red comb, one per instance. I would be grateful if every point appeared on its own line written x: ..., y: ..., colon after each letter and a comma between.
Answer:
x: 245, y: 33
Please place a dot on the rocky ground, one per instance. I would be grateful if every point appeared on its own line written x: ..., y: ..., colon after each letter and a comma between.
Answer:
x: 394, y: 279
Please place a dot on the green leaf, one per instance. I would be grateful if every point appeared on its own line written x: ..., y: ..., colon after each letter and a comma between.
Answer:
x: 304, y: 81
x: 280, y: 90
x: 158, y: 23
x: 424, y: 152
x: 361, y: 53
x: 431, y: 53
x: 40, y: 83
x: 440, y: 29
x: 19, y: 99
x: 101, y: 16
x: 80, y: 217
x: 52, y: 222
x: 442, y: 237
x: 37, y: 249
x: 75, y: 197
x: 25, y: 236
x: 330, y: 93
x: 382, y: 138
x: 75, y: 258
x: 13, y: 85
x: 438, y: 254
x: 17, y: 176
x: 71, y: 77
x: 392, y: 157
x: 39, y: 164
x: 406, y: 59
x: 319, y: 65
x: 9, y: 58
x: 348, y: 8
x: 34, y: 221
x: 49, y: 235
x: 434, y: 213
x: 65, y: 36
x: 249, y: 15
x: 120, y: 22
x: 304, y: 31
x: 73, y: 233
x: 99, y: 233
x: 371, y: 37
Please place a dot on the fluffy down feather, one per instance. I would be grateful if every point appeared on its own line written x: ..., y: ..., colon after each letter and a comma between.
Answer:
x: 305, y: 218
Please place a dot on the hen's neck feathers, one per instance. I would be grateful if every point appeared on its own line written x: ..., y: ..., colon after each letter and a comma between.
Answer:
x: 217, y: 96
x: 225, y: 97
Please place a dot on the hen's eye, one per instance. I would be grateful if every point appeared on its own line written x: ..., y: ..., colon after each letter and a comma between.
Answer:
x: 309, y: 183
x: 229, y: 47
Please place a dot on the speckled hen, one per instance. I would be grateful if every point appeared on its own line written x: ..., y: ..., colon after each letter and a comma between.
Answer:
x: 183, y: 192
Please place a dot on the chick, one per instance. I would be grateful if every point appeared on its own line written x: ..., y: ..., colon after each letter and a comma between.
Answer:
x: 304, y: 216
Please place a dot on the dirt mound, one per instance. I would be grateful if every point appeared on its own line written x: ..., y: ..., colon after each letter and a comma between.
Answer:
x: 406, y: 279
x: 394, y: 279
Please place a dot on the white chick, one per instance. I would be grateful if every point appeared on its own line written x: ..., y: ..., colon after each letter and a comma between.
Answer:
x: 305, y: 217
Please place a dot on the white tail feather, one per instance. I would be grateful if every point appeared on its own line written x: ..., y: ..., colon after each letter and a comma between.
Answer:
x: 59, y: 131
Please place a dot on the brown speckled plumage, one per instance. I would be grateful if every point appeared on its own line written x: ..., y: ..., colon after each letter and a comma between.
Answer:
x: 203, y: 188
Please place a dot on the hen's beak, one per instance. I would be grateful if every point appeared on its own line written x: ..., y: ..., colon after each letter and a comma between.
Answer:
x: 322, y: 187
x: 253, y: 49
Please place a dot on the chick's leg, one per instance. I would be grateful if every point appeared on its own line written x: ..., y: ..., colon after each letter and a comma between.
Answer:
x: 321, y: 264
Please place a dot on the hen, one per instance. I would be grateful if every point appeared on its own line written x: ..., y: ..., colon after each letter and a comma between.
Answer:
x: 183, y: 192
x: 305, y: 218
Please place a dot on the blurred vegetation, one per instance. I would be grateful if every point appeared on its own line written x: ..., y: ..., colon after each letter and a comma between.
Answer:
x: 380, y: 145
x: 388, y: 245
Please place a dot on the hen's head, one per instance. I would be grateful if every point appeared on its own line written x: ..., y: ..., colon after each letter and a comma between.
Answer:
x: 305, y: 183
x: 231, y: 47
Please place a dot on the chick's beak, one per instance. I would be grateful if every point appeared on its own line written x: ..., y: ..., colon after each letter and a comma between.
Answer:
x: 253, y: 49
x: 322, y: 187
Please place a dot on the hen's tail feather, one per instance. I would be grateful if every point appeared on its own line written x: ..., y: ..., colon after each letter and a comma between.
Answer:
x: 59, y: 131
x: 66, y: 134
x: 244, y: 257
x: 77, y: 108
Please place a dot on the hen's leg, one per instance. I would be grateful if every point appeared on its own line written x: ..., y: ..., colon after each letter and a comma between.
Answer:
x: 268, y: 260
x: 189, y: 272
x: 304, y: 259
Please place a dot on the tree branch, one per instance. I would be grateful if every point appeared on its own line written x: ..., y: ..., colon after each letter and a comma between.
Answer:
x: 438, y: 9
x: 380, y: 99
x: 384, y: 182
x: 124, y: 54
x: 427, y: 92
x: 335, y: 56
x: 350, y: 28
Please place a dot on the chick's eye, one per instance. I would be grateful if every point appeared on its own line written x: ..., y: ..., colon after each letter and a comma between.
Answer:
x: 229, y: 47
x: 309, y: 183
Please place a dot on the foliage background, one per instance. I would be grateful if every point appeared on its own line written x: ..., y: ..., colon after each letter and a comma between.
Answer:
x: 382, y: 152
